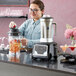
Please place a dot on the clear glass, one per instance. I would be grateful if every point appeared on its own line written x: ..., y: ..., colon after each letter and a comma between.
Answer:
x: 15, y: 58
x: 14, y: 45
x: 72, y: 48
x: 22, y: 46
x: 6, y: 43
x: 63, y: 47
x: 2, y: 45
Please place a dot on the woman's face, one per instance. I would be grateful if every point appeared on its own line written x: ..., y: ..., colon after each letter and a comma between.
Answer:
x: 35, y: 12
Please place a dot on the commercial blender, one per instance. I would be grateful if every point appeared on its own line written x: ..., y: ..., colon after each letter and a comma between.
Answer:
x: 46, y: 49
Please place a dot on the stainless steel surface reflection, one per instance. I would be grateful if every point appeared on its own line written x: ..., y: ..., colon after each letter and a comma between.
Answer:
x: 25, y: 59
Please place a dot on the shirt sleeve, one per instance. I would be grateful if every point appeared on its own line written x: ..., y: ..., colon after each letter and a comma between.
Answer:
x: 23, y: 27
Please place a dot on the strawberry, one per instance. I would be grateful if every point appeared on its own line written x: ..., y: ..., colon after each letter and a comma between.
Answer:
x: 14, y: 26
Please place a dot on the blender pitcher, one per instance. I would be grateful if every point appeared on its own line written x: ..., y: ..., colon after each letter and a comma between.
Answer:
x: 47, y: 29
x: 14, y: 40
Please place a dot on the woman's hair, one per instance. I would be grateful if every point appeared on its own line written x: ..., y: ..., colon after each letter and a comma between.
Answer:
x: 39, y: 3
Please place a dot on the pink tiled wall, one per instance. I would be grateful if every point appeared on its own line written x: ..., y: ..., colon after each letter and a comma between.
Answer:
x: 63, y: 11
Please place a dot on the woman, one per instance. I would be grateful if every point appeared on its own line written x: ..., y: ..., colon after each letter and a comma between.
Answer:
x: 30, y: 29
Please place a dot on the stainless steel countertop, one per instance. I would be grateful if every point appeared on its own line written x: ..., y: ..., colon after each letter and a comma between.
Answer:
x: 25, y: 59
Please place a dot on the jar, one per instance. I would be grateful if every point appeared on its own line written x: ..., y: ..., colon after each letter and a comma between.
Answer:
x: 14, y: 41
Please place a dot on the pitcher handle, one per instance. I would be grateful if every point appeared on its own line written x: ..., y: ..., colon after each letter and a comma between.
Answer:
x: 55, y: 28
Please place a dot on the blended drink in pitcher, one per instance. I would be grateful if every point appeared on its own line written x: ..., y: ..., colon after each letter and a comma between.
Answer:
x: 14, y: 46
x: 14, y: 39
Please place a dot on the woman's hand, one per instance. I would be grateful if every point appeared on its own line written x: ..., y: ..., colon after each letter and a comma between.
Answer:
x: 24, y: 41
